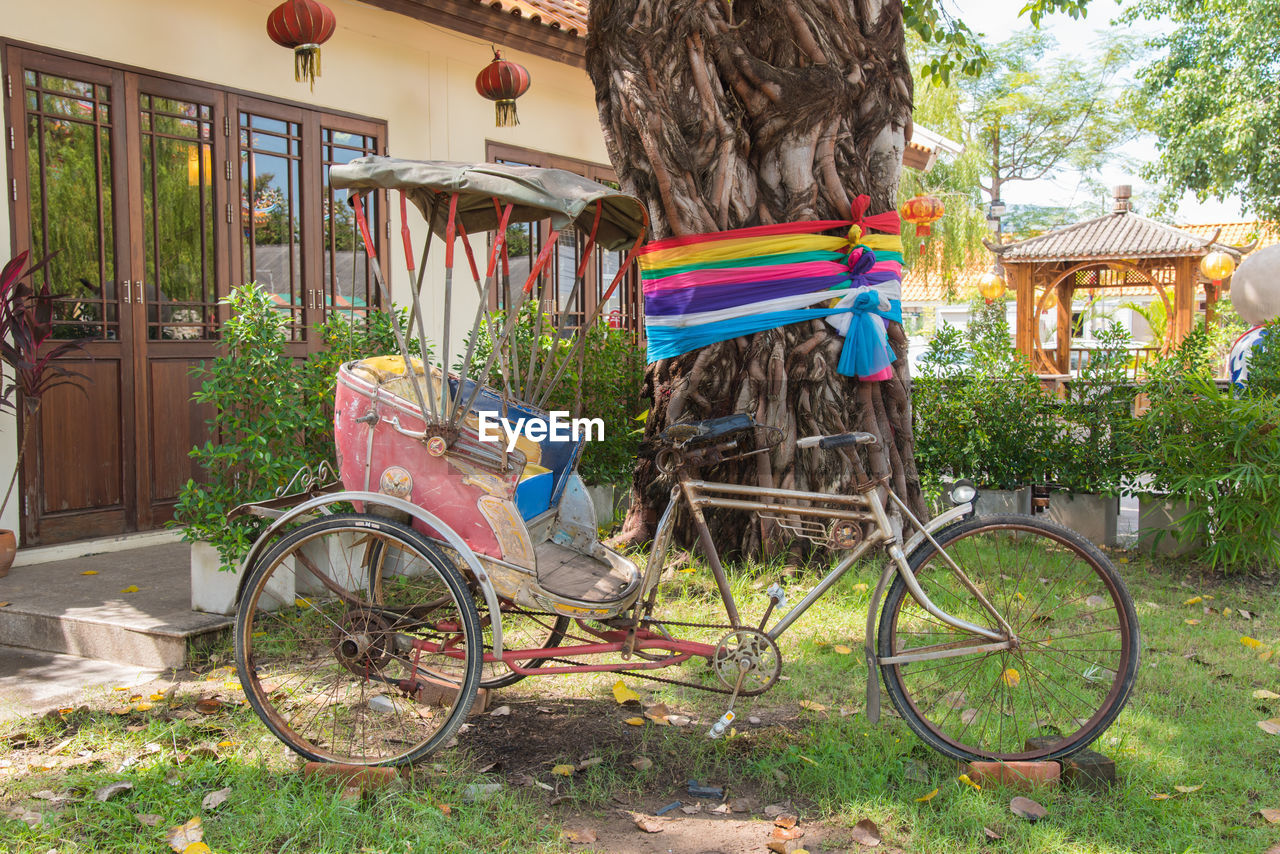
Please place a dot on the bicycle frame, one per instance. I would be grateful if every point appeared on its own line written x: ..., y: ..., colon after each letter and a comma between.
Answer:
x: 861, y: 508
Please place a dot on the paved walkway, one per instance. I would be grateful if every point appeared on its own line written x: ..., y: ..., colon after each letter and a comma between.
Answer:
x: 69, y: 627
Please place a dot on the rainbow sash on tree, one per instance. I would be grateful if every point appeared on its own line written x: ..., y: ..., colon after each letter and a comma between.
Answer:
x: 713, y: 287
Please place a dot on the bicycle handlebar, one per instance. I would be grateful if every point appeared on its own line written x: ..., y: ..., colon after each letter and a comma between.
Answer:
x: 839, y: 440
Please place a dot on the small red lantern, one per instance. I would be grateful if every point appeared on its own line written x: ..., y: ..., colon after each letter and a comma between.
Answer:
x: 303, y: 25
x: 921, y: 211
x: 502, y: 82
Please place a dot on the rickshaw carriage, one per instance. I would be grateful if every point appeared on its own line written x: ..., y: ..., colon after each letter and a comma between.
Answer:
x: 374, y: 607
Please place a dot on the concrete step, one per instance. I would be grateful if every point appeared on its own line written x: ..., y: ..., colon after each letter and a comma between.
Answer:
x: 78, y: 606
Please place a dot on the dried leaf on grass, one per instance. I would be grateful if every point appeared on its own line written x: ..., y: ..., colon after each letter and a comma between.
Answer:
x: 924, y: 799
x: 563, y: 770
x: 642, y: 763
x: 213, y: 800
x: 636, y: 721
x: 1161, y: 796
x: 866, y: 833
x: 842, y: 649
x: 1027, y: 808
x: 623, y: 694
x: 658, y: 713
x: 812, y: 706
x: 182, y: 837
x: 1271, y: 726
x: 1186, y: 790
x: 1252, y: 643
x: 991, y: 834
x: 647, y: 824
x: 148, y: 819
x: 580, y: 836
x: 964, y: 778
x: 1272, y: 816
x: 110, y: 790
x: 1264, y: 694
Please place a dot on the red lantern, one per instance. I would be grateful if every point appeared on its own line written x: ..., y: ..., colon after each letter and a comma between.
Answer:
x: 502, y: 82
x: 922, y: 210
x: 303, y: 25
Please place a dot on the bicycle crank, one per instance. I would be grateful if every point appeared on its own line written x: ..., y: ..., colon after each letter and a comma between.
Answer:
x: 748, y: 662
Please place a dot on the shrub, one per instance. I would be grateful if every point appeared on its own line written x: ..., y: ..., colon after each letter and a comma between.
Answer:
x: 272, y: 414
x: 604, y: 383
x: 1218, y: 450
x: 980, y: 411
x: 1096, y: 418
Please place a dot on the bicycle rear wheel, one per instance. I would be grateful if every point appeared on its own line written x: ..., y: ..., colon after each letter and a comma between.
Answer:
x: 357, y: 642
x: 1064, y: 682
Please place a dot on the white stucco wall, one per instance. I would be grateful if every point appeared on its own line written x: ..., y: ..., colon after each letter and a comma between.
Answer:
x: 416, y: 76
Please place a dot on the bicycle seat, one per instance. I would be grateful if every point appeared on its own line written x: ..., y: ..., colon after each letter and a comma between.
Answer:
x: 706, y: 431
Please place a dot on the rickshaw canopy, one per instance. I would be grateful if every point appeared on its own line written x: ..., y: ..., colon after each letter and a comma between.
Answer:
x: 534, y: 193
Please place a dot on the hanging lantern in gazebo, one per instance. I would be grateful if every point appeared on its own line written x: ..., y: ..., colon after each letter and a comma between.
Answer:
x: 303, y: 25
x: 1217, y: 266
x: 502, y: 81
x: 921, y: 211
x: 991, y: 285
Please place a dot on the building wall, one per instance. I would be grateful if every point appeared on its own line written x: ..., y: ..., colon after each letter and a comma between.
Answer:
x: 417, y: 77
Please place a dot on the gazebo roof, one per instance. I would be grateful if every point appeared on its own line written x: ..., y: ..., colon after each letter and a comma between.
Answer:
x: 1114, y: 236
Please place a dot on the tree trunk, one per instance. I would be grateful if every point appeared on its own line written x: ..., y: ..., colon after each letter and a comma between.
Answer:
x: 735, y: 113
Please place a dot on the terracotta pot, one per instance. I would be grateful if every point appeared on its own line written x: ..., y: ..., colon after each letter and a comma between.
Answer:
x: 8, y: 549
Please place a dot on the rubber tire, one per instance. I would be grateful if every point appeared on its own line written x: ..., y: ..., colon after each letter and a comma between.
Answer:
x: 898, y: 590
x: 456, y: 585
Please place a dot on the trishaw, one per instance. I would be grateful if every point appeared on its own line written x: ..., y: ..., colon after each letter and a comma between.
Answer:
x: 376, y: 604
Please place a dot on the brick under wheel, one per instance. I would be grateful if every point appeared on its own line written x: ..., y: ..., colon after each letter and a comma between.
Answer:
x: 357, y: 642
x: 1053, y: 694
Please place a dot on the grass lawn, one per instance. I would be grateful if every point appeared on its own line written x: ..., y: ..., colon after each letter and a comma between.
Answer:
x: 1192, y: 722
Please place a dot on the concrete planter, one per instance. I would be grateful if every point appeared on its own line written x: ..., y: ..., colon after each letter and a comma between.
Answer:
x: 214, y: 591
x: 1157, y: 526
x: 992, y: 502
x: 607, y: 498
x: 1094, y: 517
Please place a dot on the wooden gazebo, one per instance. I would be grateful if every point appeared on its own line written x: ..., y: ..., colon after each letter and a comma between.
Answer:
x: 1119, y: 251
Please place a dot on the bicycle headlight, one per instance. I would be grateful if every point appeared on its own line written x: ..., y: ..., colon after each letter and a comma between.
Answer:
x: 963, y: 491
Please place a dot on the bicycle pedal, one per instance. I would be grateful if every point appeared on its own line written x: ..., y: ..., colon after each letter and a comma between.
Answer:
x: 720, y: 727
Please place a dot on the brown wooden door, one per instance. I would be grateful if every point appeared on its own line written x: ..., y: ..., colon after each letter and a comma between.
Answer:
x: 179, y: 181
x: 70, y: 162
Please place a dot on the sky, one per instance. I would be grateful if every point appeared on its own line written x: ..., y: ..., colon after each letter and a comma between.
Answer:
x: 997, y: 20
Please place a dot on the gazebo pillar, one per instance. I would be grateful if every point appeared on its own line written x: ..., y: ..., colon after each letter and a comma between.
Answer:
x: 1024, y: 294
x: 1065, y: 293
x: 1184, y: 299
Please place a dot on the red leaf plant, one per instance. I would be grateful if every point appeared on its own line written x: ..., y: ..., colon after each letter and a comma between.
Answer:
x: 26, y: 323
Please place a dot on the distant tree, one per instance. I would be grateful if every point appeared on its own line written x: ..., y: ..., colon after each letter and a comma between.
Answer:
x: 1035, y: 114
x: 1212, y: 100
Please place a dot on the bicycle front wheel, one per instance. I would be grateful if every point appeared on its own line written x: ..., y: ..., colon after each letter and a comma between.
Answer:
x: 1074, y: 661
x: 357, y: 642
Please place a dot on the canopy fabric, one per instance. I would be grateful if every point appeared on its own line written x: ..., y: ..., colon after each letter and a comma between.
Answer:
x: 536, y: 194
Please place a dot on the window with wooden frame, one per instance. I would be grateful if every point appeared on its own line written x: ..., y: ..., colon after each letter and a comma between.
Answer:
x: 624, y: 308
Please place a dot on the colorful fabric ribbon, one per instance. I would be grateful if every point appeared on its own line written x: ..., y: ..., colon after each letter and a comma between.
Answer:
x: 713, y: 287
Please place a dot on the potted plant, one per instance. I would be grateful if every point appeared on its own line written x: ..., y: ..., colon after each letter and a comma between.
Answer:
x: 26, y: 323
x: 272, y: 415
x: 981, y: 413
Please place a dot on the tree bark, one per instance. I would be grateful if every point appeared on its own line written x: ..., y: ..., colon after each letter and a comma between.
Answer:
x: 724, y: 114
